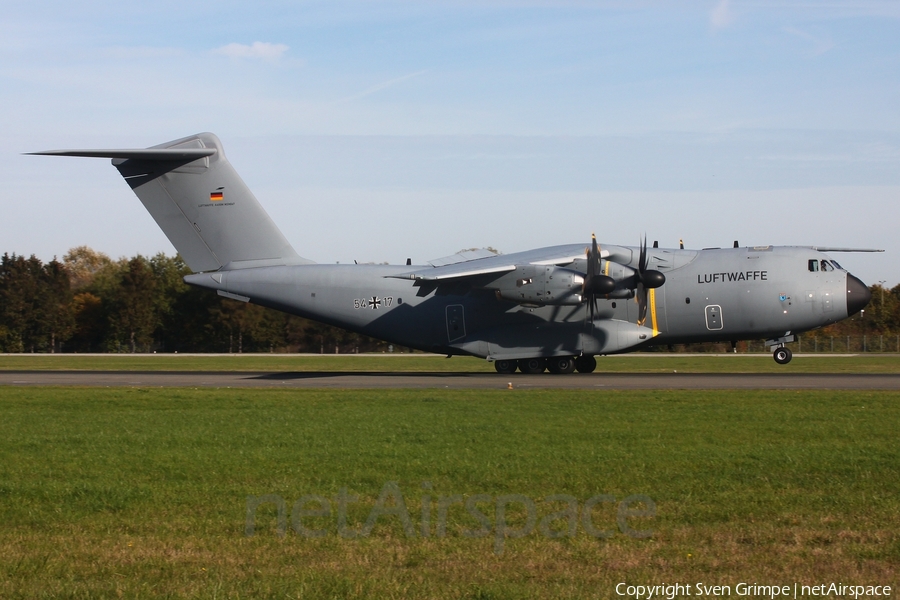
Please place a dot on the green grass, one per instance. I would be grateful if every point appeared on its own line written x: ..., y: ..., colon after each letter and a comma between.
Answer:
x: 142, y: 492
x: 629, y: 363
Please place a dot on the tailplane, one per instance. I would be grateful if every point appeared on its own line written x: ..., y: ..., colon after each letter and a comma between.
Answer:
x: 201, y: 204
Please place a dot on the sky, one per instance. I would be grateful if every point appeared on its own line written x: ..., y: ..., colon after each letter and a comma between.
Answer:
x: 377, y: 131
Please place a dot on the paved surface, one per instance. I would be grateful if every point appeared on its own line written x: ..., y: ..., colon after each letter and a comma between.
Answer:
x: 452, y: 380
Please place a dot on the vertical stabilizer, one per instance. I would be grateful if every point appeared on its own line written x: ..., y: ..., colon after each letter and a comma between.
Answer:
x: 201, y: 204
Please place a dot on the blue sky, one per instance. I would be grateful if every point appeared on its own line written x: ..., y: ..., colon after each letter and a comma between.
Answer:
x: 380, y: 130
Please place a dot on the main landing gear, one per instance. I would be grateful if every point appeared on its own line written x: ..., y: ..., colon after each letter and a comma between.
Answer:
x: 585, y: 363
x: 505, y: 367
x: 559, y: 365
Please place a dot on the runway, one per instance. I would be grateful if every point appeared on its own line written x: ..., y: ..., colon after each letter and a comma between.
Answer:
x: 358, y: 380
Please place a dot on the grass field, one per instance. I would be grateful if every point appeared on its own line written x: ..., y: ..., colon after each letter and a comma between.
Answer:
x: 108, y: 493
x: 629, y: 363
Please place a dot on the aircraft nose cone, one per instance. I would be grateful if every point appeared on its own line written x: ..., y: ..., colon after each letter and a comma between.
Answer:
x: 858, y: 295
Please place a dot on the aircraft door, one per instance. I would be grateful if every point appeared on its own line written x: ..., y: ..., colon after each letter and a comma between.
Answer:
x: 456, y: 322
x: 714, y: 317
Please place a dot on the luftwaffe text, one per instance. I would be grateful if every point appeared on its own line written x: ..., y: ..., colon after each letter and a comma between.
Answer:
x: 733, y: 276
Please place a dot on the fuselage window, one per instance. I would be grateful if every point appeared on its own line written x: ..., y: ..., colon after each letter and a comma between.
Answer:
x: 836, y: 265
x: 826, y: 266
x: 813, y: 265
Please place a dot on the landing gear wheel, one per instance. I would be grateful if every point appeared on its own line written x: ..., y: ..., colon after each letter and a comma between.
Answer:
x: 532, y: 366
x: 782, y: 356
x: 561, y: 365
x: 585, y: 363
x: 505, y: 367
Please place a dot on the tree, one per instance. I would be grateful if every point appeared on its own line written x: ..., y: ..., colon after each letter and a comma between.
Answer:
x: 134, y: 310
x: 90, y: 323
x: 35, y: 304
x: 20, y: 290
x: 168, y: 273
x: 54, y: 306
x: 82, y: 263
x: 237, y: 319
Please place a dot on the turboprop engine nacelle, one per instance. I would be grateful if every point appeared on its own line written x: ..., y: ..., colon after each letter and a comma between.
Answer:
x: 540, y: 285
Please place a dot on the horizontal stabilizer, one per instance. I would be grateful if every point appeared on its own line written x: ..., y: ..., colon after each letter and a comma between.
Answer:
x: 137, y: 154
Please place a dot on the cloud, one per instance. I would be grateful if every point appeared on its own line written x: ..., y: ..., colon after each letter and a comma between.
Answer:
x: 820, y: 43
x: 263, y: 50
x: 721, y: 16
x: 141, y: 52
x: 381, y: 86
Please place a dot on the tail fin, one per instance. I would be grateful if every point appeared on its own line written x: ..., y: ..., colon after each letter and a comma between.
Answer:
x: 200, y: 203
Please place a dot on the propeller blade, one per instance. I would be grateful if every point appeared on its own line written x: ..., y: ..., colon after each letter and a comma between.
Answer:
x: 595, y: 283
x: 642, y: 261
x: 641, y: 298
x: 645, y: 279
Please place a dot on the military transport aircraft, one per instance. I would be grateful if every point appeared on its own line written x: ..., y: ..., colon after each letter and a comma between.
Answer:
x: 552, y: 308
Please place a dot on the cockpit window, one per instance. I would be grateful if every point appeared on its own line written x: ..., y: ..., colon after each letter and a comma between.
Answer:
x: 816, y: 265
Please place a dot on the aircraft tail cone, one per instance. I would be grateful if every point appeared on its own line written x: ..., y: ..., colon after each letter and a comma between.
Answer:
x: 858, y: 295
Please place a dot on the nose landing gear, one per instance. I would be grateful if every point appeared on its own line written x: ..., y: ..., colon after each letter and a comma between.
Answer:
x: 782, y: 355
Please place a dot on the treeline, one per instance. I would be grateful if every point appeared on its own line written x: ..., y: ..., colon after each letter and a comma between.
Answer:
x: 88, y: 302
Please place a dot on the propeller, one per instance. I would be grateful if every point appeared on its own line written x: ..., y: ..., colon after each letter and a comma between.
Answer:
x: 595, y: 282
x: 645, y: 279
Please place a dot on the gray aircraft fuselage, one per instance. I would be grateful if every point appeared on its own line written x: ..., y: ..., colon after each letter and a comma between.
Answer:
x: 554, y: 307
x: 709, y: 295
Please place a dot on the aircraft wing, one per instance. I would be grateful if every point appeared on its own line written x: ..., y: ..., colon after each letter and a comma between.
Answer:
x: 443, y: 269
x: 830, y: 249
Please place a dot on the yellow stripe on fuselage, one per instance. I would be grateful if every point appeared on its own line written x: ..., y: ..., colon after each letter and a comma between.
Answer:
x: 652, y: 294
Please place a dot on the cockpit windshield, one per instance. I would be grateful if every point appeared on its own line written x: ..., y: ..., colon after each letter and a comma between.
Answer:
x: 816, y: 265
